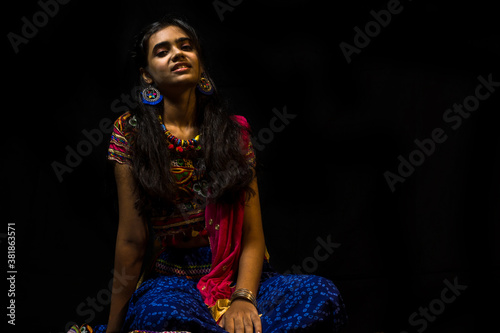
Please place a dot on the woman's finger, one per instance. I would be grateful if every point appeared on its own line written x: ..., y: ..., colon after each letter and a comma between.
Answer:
x: 229, y: 325
x: 257, y: 325
x: 239, y: 326
x: 249, y: 325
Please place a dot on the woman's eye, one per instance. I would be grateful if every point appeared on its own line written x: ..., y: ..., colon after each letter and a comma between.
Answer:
x: 161, y: 53
x: 186, y: 47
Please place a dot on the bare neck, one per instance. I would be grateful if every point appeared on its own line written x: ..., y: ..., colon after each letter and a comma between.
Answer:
x: 180, y: 111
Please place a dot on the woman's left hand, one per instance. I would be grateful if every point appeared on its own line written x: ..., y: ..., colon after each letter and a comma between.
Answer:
x: 241, y: 317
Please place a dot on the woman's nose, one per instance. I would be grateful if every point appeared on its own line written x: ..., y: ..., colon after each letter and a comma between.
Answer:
x: 178, y: 54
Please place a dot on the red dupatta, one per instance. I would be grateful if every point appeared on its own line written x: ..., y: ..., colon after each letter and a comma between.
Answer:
x: 224, y: 224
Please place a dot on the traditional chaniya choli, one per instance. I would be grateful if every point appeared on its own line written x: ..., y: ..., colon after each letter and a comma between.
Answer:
x: 188, y: 289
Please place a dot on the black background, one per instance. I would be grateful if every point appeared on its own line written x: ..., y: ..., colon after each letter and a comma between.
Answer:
x: 321, y: 176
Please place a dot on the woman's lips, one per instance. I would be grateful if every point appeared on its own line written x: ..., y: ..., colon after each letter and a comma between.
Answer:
x: 181, y: 69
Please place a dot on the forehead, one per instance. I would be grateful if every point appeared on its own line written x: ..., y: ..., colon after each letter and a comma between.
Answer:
x: 167, y: 34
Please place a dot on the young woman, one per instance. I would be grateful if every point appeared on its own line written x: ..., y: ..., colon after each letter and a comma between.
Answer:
x: 190, y: 231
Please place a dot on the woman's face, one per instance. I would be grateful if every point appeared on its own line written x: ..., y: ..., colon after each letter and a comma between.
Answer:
x: 173, y: 63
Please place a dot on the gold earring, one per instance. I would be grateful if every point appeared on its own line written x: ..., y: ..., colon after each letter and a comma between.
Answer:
x: 204, y: 85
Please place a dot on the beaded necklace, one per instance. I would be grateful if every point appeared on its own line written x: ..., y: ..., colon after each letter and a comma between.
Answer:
x: 178, y: 144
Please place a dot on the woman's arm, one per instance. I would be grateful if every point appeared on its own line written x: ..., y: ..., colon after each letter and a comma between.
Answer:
x: 253, y: 245
x: 242, y: 316
x: 131, y: 241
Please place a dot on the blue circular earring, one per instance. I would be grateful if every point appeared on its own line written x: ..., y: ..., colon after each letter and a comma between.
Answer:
x: 151, y: 96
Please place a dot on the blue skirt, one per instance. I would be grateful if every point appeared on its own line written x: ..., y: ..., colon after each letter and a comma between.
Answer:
x: 288, y: 303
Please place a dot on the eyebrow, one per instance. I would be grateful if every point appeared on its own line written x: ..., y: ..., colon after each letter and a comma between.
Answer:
x: 166, y: 43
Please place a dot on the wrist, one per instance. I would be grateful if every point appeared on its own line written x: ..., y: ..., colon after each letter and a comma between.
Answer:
x: 113, y: 330
x: 244, y: 294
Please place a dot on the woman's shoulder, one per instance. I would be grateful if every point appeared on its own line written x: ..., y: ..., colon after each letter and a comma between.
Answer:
x: 240, y: 120
x: 122, y: 139
x: 124, y: 120
x: 125, y: 124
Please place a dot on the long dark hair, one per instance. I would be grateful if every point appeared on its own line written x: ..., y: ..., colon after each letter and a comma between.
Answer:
x: 221, y: 158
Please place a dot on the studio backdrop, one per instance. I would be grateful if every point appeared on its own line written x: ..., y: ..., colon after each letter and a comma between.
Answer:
x: 376, y: 129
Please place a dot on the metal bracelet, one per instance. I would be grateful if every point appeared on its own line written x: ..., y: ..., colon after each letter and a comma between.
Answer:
x: 245, y: 294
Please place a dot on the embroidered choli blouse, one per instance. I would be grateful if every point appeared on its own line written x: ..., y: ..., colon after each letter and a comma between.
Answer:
x: 185, y: 218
